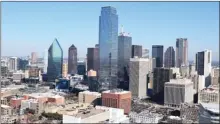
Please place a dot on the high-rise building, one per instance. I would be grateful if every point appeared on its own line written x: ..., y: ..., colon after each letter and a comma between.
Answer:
x: 34, y: 58
x: 204, y: 65
x: 139, y: 68
x: 215, y: 76
x: 169, y: 57
x: 157, y: 52
x: 178, y: 91
x: 181, y: 52
x: 45, y: 60
x: 124, y: 55
x: 23, y: 63
x: 55, y: 61
x: 13, y: 64
x: 92, y: 59
x: 81, y: 67
x: 152, y: 64
x: 108, y: 47
x: 65, y: 70
x: 136, y: 51
x: 92, y: 81
x: 145, y: 53
x: 117, y: 99
x: 72, y: 60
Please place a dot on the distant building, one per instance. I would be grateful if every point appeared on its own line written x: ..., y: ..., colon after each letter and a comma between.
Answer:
x: 209, y: 95
x: 181, y: 52
x: 92, y: 59
x: 17, y: 77
x: 22, y: 64
x: 139, y: 68
x: 13, y: 64
x: 145, y: 117
x: 45, y: 61
x: 192, y: 69
x: 157, y: 53
x: 152, y: 64
x: 145, y: 53
x: 209, y: 113
x: 34, y: 72
x: 93, y: 81
x: 189, y: 112
x: 215, y: 76
x: 174, y: 120
x: 4, y: 71
x: 136, y: 51
x: 89, y: 97
x: 34, y: 58
x: 55, y: 61
x: 81, y: 68
x: 169, y: 58
x: 65, y: 70
x: 117, y: 99
x: 72, y: 60
x: 203, y: 65
x: 184, y: 71
x: 31, y: 104
x: 62, y: 84
x: 178, y: 91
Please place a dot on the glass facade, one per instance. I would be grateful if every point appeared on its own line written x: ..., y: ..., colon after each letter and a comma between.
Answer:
x: 55, y: 61
x: 181, y: 52
x: 169, y: 58
x: 108, y: 46
x: 157, y: 52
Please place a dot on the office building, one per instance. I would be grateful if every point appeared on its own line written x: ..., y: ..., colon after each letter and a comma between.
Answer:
x: 18, y: 76
x: 181, y: 52
x: 4, y: 71
x: 93, y: 81
x: 72, y: 60
x: 209, y: 95
x: 152, y: 64
x: 45, y: 61
x: 81, y: 68
x: 34, y: 58
x: 92, y: 59
x: 215, y: 76
x: 161, y: 76
x: 65, y: 70
x: 157, y: 53
x: 6, y: 110
x: 139, y: 68
x: 204, y: 66
x: 55, y: 61
x: 178, y: 91
x: 124, y: 55
x: 117, y: 99
x: 89, y: 97
x: 34, y: 72
x: 108, y: 47
x: 184, y: 71
x: 22, y: 64
x: 13, y: 64
x: 145, y: 53
x: 192, y: 69
x: 136, y: 51
x: 169, y: 58
x: 145, y: 117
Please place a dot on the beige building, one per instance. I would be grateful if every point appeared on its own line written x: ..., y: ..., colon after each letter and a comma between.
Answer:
x: 215, y: 76
x: 89, y: 97
x: 6, y: 110
x: 209, y: 95
x: 65, y: 70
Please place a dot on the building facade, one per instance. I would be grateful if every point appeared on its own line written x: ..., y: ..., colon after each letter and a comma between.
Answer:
x: 157, y: 53
x: 169, y: 58
x: 209, y: 95
x: 55, y: 61
x: 92, y: 59
x: 108, y: 47
x: 13, y: 64
x: 72, y: 60
x: 181, y: 52
x: 136, y: 51
x: 145, y: 53
x: 34, y: 58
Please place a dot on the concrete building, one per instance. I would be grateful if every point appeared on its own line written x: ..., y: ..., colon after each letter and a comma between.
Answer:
x: 181, y: 52
x: 178, y: 91
x: 145, y: 53
x: 152, y: 64
x: 145, y: 117
x: 203, y: 65
x: 189, y: 112
x: 32, y: 104
x: 209, y: 95
x: 136, y: 50
x: 89, y: 97
x: 174, y: 120
x: 15, y: 102
x: 209, y: 113
x: 4, y: 71
x: 45, y: 61
x: 6, y: 110
x: 192, y: 69
x: 176, y: 72
x: 215, y: 76
x: 34, y: 58
x: 184, y: 71
x: 34, y: 72
x: 65, y: 70
x: 18, y: 76
x: 72, y: 60
x: 139, y: 68
x: 169, y: 58
x: 93, y: 59
x: 13, y: 64
x: 201, y: 82
x: 117, y: 99
x: 157, y: 53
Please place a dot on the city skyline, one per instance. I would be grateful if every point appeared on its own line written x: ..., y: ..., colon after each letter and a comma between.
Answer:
x: 147, y: 24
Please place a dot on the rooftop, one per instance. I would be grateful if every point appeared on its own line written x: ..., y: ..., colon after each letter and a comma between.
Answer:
x: 116, y: 91
x: 91, y: 93
x: 174, y: 117
x: 210, y: 90
x: 180, y: 81
x: 139, y: 59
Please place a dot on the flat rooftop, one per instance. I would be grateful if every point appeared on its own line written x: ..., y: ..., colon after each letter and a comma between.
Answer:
x: 180, y: 81
x: 116, y: 91
x: 90, y: 93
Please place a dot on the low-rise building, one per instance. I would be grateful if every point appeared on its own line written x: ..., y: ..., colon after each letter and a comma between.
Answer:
x: 145, y: 117
x: 6, y: 110
x: 209, y: 95
x: 89, y: 97
x: 31, y: 104
x: 18, y: 76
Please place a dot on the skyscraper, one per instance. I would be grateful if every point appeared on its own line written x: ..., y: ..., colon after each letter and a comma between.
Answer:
x: 181, y: 52
x: 72, y: 60
x: 203, y: 65
x: 136, y: 51
x: 108, y: 47
x: 169, y: 58
x: 45, y: 61
x: 124, y: 54
x: 13, y: 64
x: 157, y: 53
x: 55, y: 61
x: 33, y: 58
x: 92, y: 59
x: 145, y: 53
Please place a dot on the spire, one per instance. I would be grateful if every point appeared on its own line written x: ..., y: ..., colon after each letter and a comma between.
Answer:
x: 122, y: 29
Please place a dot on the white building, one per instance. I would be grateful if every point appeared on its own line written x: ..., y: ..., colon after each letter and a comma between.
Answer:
x: 145, y: 117
x: 209, y: 95
x: 178, y: 91
x: 18, y: 76
x: 152, y: 64
x: 201, y: 82
x: 174, y: 120
x: 13, y: 64
x: 176, y: 71
x: 145, y: 53
x: 139, y: 68
x: 31, y: 104
x: 215, y: 76
x: 209, y: 113
x: 189, y: 112
x: 184, y: 71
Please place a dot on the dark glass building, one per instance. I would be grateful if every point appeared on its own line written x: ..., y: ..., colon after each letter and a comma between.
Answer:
x: 92, y: 59
x: 169, y: 58
x: 157, y: 53
x: 81, y: 68
x: 72, y: 60
x: 124, y: 55
x: 136, y: 51
x: 55, y: 61
x: 108, y: 47
x: 22, y: 64
x: 62, y: 84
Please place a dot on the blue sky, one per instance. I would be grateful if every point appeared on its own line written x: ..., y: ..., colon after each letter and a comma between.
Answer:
x: 32, y: 26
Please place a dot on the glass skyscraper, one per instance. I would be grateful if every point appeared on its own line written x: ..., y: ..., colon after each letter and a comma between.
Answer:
x: 157, y: 52
x: 55, y: 61
x: 108, y: 46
